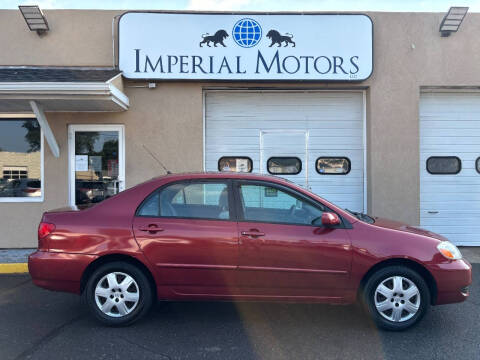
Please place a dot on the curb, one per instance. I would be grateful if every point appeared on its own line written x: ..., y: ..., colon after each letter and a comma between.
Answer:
x: 14, y: 268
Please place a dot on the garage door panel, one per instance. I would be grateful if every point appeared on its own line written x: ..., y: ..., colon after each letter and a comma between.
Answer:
x: 450, y: 204
x: 251, y: 123
x: 457, y: 140
x: 333, y: 121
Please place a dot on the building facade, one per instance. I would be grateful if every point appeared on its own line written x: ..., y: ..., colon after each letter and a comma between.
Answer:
x: 402, y: 142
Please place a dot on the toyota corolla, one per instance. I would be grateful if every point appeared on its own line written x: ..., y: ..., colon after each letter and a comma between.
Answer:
x: 242, y: 237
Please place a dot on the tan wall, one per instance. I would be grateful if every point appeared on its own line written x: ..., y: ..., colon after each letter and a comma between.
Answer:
x: 408, y: 54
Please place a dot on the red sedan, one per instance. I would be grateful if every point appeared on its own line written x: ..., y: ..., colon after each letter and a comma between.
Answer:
x: 224, y: 236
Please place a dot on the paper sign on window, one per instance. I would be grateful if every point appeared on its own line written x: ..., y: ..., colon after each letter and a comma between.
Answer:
x: 81, y: 162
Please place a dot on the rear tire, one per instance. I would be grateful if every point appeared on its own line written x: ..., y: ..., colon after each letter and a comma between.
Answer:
x: 118, y: 294
x: 396, y: 297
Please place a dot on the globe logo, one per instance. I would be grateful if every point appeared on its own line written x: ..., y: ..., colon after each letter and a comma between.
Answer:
x: 247, y: 32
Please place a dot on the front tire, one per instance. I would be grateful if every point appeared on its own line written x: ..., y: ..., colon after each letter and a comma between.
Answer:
x: 118, y: 294
x: 396, y: 297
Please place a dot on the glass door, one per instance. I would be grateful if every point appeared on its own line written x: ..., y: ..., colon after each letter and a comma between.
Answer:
x: 96, y: 163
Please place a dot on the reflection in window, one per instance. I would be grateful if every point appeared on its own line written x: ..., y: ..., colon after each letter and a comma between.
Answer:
x: 186, y: 200
x: 96, y: 166
x: 235, y: 164
x: 284, y: 165
x: 272, y: 205
x: 444, y: 165
x: 20, y: 158
x: 333, y: 165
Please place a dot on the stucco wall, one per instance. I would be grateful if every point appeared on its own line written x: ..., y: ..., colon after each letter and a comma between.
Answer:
x: 408, y: 54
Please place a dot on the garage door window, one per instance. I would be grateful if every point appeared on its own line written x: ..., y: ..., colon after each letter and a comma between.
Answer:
x: 284, y: 165
x: 444, y: 165
x: 235, y: 164
x: 333, y: 165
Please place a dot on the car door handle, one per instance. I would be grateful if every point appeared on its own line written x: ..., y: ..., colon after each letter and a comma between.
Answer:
x: 253, y: 233
x: 150, y: 228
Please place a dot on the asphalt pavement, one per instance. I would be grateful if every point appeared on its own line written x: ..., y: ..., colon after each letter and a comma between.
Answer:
x: 39, y: 324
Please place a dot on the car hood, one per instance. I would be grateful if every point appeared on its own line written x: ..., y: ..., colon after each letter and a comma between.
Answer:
x: 396, y: 225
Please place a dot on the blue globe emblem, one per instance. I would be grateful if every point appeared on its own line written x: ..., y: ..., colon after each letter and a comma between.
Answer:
x: 247, y: 32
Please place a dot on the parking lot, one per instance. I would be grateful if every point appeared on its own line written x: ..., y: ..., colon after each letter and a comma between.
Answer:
x: 38, y: 324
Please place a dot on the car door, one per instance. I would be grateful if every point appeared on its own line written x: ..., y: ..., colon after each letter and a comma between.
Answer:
x: 281, y: 252
x: 188, y: 231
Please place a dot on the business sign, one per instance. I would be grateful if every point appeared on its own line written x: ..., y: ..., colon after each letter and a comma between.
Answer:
x: 203, y: 46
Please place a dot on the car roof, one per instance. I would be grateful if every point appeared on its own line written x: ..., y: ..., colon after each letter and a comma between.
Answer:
x: 222, y: 175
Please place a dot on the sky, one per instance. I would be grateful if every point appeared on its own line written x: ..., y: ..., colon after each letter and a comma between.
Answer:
x: 251, y: 5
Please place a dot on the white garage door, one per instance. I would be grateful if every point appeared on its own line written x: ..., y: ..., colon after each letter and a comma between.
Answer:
x: 450, y: 148
x: 290, y: 131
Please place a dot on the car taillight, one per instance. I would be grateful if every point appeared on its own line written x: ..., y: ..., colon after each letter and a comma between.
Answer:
x: 45, y: 229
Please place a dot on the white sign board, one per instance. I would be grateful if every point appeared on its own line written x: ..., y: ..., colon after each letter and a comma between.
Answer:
x: 81, y: 162
x: 283, y: 47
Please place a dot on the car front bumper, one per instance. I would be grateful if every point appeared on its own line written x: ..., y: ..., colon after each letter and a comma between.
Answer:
x: 453, y: 279
x: 58, y: 271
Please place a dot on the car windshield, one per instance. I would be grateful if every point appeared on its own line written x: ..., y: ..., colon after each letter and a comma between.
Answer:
x: 361, y: 216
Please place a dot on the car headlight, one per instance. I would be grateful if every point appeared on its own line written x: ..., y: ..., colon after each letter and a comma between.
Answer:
x: 448, y: 250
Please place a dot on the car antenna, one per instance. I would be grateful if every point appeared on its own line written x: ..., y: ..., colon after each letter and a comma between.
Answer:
x: 163, y: 166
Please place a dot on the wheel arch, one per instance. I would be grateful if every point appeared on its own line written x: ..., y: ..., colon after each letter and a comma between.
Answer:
x: 412, y: 264
x: 94, y: 265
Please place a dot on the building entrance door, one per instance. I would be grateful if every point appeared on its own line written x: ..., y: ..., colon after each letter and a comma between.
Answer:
x: 96, y: 162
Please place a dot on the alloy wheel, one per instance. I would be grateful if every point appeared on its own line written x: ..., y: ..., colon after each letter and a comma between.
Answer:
x: 117, y: 294
x: 397, y: 298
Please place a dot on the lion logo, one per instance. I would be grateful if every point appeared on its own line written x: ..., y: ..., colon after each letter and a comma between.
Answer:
x: 278, y: 39
x: 218, y: 38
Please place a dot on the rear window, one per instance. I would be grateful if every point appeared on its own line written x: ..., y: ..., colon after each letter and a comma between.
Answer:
x: 235, y: 164
x: 329, y: 165
x: 444, y: 165
x: 284, y: 165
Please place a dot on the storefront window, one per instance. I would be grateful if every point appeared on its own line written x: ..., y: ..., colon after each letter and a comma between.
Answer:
x: 20, y: 159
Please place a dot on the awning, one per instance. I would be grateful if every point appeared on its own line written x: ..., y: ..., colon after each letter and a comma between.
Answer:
x: 61, y: 89
x: 45, y: 89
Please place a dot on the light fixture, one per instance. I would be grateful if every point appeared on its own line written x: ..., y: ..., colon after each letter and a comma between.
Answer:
x: 452, y: 20
x: 34, y: 18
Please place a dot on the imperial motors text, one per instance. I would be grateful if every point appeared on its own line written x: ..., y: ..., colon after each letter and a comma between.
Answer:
x: 264, y: 64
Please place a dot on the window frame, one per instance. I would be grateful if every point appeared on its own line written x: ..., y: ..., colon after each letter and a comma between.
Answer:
x: 228, y: 182
x: 27, y: 199
x: 344, y: 223
x: 235, y: 157
x: 285, y: 157
x: 334, y: 157
x: 444, y: 157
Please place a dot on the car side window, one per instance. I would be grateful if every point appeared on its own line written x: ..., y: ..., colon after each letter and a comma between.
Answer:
x: 198, y: 200
x: 270, y: 204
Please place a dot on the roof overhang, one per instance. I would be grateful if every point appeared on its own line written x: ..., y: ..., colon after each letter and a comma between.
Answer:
x: 62, y: 96
x: 40, y: 90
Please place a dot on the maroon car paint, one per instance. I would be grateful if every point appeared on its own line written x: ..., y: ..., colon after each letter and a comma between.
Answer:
x: 211, y: 259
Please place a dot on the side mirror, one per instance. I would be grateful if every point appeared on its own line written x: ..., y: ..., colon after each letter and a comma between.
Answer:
x: 330, y: 219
